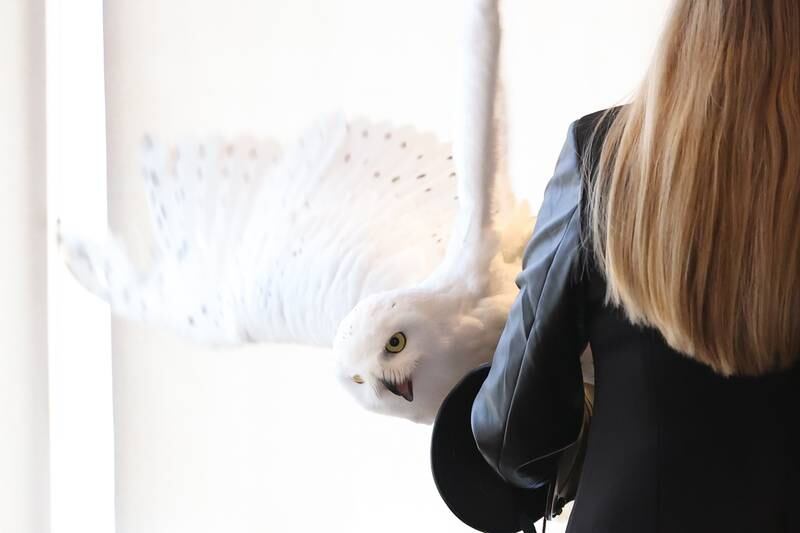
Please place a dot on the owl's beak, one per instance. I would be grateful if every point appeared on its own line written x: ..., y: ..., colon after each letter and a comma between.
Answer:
x: 404, y: 389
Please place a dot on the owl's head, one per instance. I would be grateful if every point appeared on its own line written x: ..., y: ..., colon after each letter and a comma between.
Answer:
x: 395, y: 354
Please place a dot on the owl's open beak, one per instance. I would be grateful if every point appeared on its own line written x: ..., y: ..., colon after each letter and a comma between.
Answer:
x: 404, y: 389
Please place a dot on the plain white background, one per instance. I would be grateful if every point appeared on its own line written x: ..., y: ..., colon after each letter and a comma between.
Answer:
x: 23, y: 313
x: 261, y: 439
x: 79, y: 338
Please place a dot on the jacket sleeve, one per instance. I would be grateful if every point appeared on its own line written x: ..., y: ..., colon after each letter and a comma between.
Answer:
x: 531, y: 405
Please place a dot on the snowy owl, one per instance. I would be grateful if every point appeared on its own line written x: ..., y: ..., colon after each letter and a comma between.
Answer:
x: 387, y: 244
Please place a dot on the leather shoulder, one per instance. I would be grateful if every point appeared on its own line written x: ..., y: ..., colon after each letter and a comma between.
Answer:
x: 590, y: 132
x: 588, y: 135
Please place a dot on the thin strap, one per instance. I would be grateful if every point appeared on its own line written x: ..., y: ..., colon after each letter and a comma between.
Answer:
x: 548, y: 505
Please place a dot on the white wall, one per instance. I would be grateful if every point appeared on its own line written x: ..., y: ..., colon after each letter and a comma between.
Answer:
x: 568, y: 58
x: 23, y: 315
x: 261, y: 439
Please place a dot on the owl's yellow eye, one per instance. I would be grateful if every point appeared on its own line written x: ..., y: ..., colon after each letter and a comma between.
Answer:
x: 358, y: 379
x: 396, y: 343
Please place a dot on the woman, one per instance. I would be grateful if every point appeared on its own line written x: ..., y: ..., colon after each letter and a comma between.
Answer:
x: 669, y: 242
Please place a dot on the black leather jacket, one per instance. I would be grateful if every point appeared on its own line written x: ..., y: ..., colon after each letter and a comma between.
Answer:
x: 535, y: 373
x: 672, y: 447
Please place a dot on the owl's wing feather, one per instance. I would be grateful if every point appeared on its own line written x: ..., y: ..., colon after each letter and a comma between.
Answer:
x: 255, y: 245
x: 474, y: 240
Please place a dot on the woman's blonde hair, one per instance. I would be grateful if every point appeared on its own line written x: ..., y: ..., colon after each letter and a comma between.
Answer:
x: 695, y: 206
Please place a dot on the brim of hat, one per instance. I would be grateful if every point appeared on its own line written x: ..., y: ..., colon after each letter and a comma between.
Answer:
x: 470, y: 487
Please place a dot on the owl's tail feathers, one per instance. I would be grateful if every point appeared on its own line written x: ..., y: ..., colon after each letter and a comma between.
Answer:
x: 105, y: 269
x: 192, y: 303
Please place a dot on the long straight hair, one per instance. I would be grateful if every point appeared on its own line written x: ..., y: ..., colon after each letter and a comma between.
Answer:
x: 695, y: 206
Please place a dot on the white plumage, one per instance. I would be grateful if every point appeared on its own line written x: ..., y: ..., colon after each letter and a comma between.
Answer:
x: 356, y: 233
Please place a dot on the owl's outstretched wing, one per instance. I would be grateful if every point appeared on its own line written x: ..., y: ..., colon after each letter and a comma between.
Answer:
x: 479, y: 152
x: 254, y: 245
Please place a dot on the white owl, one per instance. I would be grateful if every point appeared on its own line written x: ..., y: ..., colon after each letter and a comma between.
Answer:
x: 382, y: 242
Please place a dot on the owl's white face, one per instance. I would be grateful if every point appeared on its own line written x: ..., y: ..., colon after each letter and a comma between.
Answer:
x: 393, y: 354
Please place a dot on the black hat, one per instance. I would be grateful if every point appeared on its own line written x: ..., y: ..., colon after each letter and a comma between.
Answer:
x: 470, y: 487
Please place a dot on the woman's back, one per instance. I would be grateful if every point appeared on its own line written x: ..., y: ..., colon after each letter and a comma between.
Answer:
x: 675, y: 447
